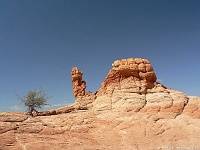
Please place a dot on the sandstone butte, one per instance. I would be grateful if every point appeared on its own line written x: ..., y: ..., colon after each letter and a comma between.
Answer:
x: 131, y: 111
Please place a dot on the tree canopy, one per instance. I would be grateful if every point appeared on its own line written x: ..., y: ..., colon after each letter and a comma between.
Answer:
x: 34, y: 99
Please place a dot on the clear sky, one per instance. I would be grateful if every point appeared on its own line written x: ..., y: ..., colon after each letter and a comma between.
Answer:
x: 41, y: 40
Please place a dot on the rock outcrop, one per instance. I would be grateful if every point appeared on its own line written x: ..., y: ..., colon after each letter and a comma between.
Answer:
x: 79, y: 85
x: 131, y: 86
x: 131, y: 76
x: 131, y: 111
x: 88, y: 129
x: 84, y: 98
x: 139, y: 69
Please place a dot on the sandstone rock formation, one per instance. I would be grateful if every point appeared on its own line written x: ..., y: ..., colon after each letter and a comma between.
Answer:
x: 136, y: 72
x: 131, y: 86
x: 79, y: 85
x: 84, y: 99
x: 103, y: 130
x: 131, y: 111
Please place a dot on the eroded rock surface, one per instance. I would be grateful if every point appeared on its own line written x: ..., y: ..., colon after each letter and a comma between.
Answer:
x: 131, y: 86
x: 131, y: 111
x: 103, y: 130
x: 84, y: 98
x: 79, y: 85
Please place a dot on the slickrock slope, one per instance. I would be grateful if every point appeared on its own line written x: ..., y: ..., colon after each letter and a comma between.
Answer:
x: 131, y: 111
x: 103, y: 130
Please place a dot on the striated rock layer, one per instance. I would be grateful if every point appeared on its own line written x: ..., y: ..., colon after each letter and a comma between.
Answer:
x: 131, y: 111
x: 131, y: 86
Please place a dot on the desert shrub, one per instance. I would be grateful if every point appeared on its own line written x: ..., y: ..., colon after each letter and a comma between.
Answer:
x: 34, y: 99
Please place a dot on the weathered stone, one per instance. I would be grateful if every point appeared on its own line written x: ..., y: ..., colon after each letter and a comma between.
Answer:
x: 130, y: 111
x: 79, y: 85
x: 139, y: 69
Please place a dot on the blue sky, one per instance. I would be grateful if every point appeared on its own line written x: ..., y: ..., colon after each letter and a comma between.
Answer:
x: 41, y: 40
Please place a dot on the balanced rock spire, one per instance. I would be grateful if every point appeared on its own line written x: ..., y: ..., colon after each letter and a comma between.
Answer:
x: 78, y: 84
